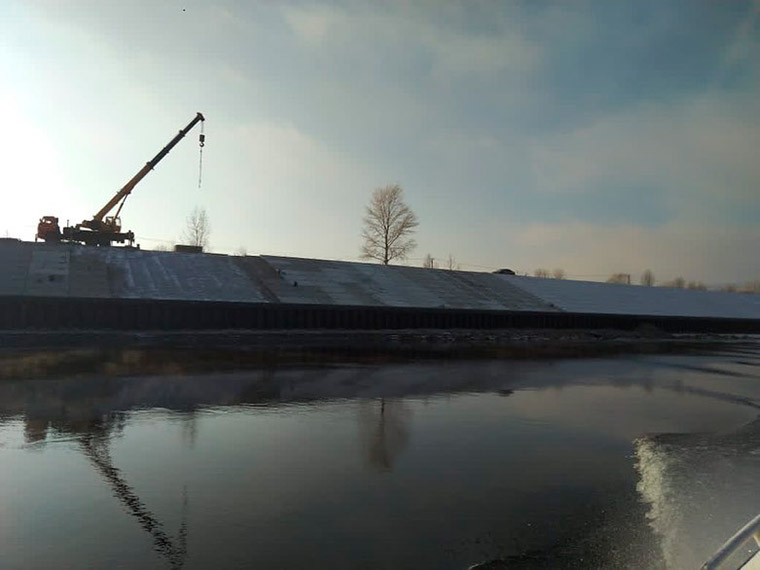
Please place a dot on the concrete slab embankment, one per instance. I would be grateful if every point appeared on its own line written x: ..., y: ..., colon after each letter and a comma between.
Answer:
x: 64, y: 286
x: 593, y: 297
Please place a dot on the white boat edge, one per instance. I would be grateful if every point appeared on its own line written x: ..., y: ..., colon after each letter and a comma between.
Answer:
x: 732, y: 545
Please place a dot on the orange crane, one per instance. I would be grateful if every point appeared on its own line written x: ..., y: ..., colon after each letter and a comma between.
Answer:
x: 103, y: 229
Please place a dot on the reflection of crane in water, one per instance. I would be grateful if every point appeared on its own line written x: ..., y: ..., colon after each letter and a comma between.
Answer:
x: 95, y: 448
x: 93, y: 432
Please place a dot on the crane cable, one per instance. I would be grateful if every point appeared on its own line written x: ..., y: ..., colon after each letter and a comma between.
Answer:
x: 201, y: 144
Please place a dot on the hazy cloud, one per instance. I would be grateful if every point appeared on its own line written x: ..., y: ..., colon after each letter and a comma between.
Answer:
x: 672, y: 250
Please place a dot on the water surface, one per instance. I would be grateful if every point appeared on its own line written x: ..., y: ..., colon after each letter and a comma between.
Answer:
x: 438, y: 464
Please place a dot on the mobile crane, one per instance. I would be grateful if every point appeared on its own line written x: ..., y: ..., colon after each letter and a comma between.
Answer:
x: 103, y: 229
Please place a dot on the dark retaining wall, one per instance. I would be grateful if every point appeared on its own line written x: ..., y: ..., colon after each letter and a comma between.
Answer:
x: 36, y: 313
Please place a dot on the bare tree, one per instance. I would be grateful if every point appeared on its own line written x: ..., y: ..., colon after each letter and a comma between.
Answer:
x: 678, y: 283
x: 388, y: 225
x: 541, y: 273
x: 197, y: 229
x: 752, y: 287
x: 241, y: 251
x: 451, y: 263
x: 647, y: 278
x: 624, y: 278
x: 429, y: 262
x: 558, y: 273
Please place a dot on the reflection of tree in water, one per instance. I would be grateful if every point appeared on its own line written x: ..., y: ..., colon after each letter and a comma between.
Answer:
x: 94, y: 432
x: 383, y: 431
x: 190, y: 428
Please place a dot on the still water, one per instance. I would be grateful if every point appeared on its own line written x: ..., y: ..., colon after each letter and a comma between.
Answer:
x: 436, y: 464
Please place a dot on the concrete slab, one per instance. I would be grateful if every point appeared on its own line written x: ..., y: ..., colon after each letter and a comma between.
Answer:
x: 262, y: 276
x: 14, y: 266
x: 185, y: 276
x: 88, y: 273
x: 365, y: 284
x: 48, y: 273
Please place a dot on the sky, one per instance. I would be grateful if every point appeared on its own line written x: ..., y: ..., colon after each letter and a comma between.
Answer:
x: 593, y: 136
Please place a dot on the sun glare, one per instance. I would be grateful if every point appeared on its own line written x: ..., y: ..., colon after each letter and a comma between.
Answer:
x: 34, y: 183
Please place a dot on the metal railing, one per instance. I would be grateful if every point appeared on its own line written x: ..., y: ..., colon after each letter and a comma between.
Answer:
x: 733, y: 544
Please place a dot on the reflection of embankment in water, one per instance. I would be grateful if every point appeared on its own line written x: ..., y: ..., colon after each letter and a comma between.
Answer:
x: 40, y: 400
x: 201, y: 352
x: 700, y: 489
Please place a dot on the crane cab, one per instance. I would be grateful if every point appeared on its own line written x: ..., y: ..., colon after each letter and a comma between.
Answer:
x: 48, y: 229
x: 113, y: 224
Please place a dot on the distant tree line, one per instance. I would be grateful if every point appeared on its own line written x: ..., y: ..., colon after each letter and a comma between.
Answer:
x: 450, y: 263
x: 647, y: 279
x: 546, y: 274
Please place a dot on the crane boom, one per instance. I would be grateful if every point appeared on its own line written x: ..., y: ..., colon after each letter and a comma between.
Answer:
x: 129, y: 186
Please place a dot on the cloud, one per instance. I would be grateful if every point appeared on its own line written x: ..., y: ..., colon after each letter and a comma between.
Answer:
x: 450, y: 49
x: 744, y: 45
x: 700, y: 154
x: 607, y: 56
x: 457, y: 55
x: 314, y: 24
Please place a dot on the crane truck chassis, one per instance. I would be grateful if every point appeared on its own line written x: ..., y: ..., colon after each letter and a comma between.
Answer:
x: 103, y: 230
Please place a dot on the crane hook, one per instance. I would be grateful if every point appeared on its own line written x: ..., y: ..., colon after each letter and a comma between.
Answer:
x: 201, y: 144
